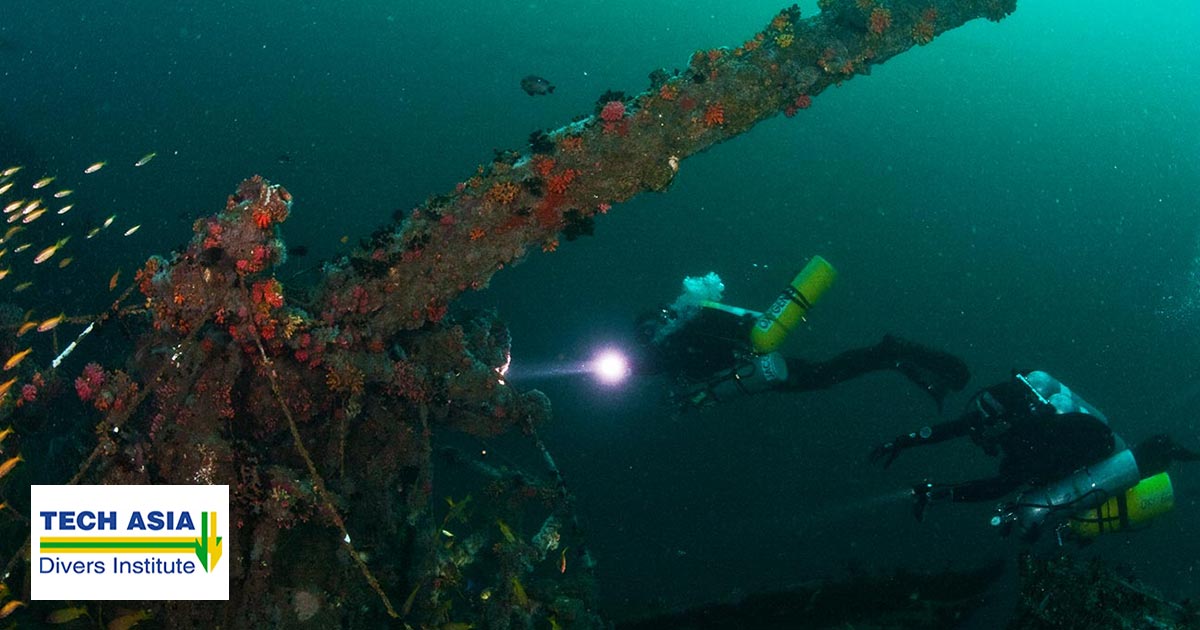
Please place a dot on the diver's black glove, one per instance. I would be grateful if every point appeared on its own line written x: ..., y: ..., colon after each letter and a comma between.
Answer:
x: 925, y: 492
x: 693, y: 397
x: 886, y: 453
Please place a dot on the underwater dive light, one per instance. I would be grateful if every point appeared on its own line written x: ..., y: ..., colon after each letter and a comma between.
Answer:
x: 610, y: 366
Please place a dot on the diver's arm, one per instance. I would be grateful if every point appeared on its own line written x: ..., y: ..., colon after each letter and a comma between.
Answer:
x: 750, y: 375
x: 931, y: 434
x: 988, y: 489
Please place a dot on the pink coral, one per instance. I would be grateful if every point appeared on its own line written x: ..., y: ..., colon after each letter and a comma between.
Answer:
x: 267, y: 292
x: 29, y: 392
x: 612, y: 111
x: 89, y: 384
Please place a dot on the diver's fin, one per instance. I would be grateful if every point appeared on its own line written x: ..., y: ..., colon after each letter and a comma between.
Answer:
x: 935, y: 371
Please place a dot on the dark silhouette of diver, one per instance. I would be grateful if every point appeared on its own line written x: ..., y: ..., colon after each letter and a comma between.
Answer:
x: 1051, y: 442
x: 710, y: 358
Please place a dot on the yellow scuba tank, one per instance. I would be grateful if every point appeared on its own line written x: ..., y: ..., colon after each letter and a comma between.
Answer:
x: 1153, y: 496
x: 772, y: 327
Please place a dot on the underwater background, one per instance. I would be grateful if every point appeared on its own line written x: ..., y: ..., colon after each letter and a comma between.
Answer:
x: 1022, y: 194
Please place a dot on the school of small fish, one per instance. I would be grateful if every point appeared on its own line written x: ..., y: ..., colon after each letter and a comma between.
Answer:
x: 24, y: 204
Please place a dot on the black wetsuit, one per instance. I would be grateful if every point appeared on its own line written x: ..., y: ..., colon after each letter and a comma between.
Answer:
x: 1037, y: 445
x: 714, y: 341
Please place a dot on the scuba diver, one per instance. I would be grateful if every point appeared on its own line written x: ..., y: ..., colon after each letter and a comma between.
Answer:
x: 1061, y: 450
x: 716, y: 351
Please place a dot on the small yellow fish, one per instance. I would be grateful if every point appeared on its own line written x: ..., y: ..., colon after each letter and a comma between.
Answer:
x: 506, y: 531
x: 33, y: 216
x: 4, y: 387
x: 10, y: 608
x: 4, y: 273
x: 9, y: 431
x: 26, y: 327
x: 42, y: 183
x: 63, y: 193
x: 67, y: 208
x: 108, y: 221
x: 67, y: 615
x: 12, y: 231
x: 22, y: 247
x: 12, y: 170
x: 62, y: 264
x: 14, y: 217
x: 7, y: 467
x: 16, y: 359
x: 129, y: 620
x: 45, y: 254
x: 145, y: 159
x: 13, y: 206
x: 4, y: 188
x: 21, y: 287
x: 112, y: 282
x: 52, y: 323
x: 92, y: 232
x: 30, y: 206
x: 344, y: 239
x: 95, y: 167
x: 518, y: 590
x: 133, y: 229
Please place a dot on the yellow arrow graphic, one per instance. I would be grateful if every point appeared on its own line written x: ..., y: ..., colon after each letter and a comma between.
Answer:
x: 214, y: 543
x: 208, y: 545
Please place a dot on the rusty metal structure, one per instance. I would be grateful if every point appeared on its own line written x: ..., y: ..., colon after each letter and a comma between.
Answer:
x: 322, y: 407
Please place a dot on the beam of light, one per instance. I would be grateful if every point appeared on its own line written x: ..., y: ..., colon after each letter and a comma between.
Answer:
x: 856, y: 507
x: 609, y: 366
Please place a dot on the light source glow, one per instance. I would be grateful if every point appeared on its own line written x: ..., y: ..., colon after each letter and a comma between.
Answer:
x: 610, y: 366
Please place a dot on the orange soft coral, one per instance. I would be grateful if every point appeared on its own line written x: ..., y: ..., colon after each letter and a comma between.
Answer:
x: 267, y: 292
x: 502, y: 192
x: 880, y: 20
x: 545, y: 165
x: 571, y: 144
x: 714, y: 115
x: 923, y: 30
x: 558, y: 183
x: 262, y: 218
x: 922, y: 33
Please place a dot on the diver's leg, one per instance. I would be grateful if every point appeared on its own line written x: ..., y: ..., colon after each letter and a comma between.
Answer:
x: 1155, y: 454
x: 934, y: 371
